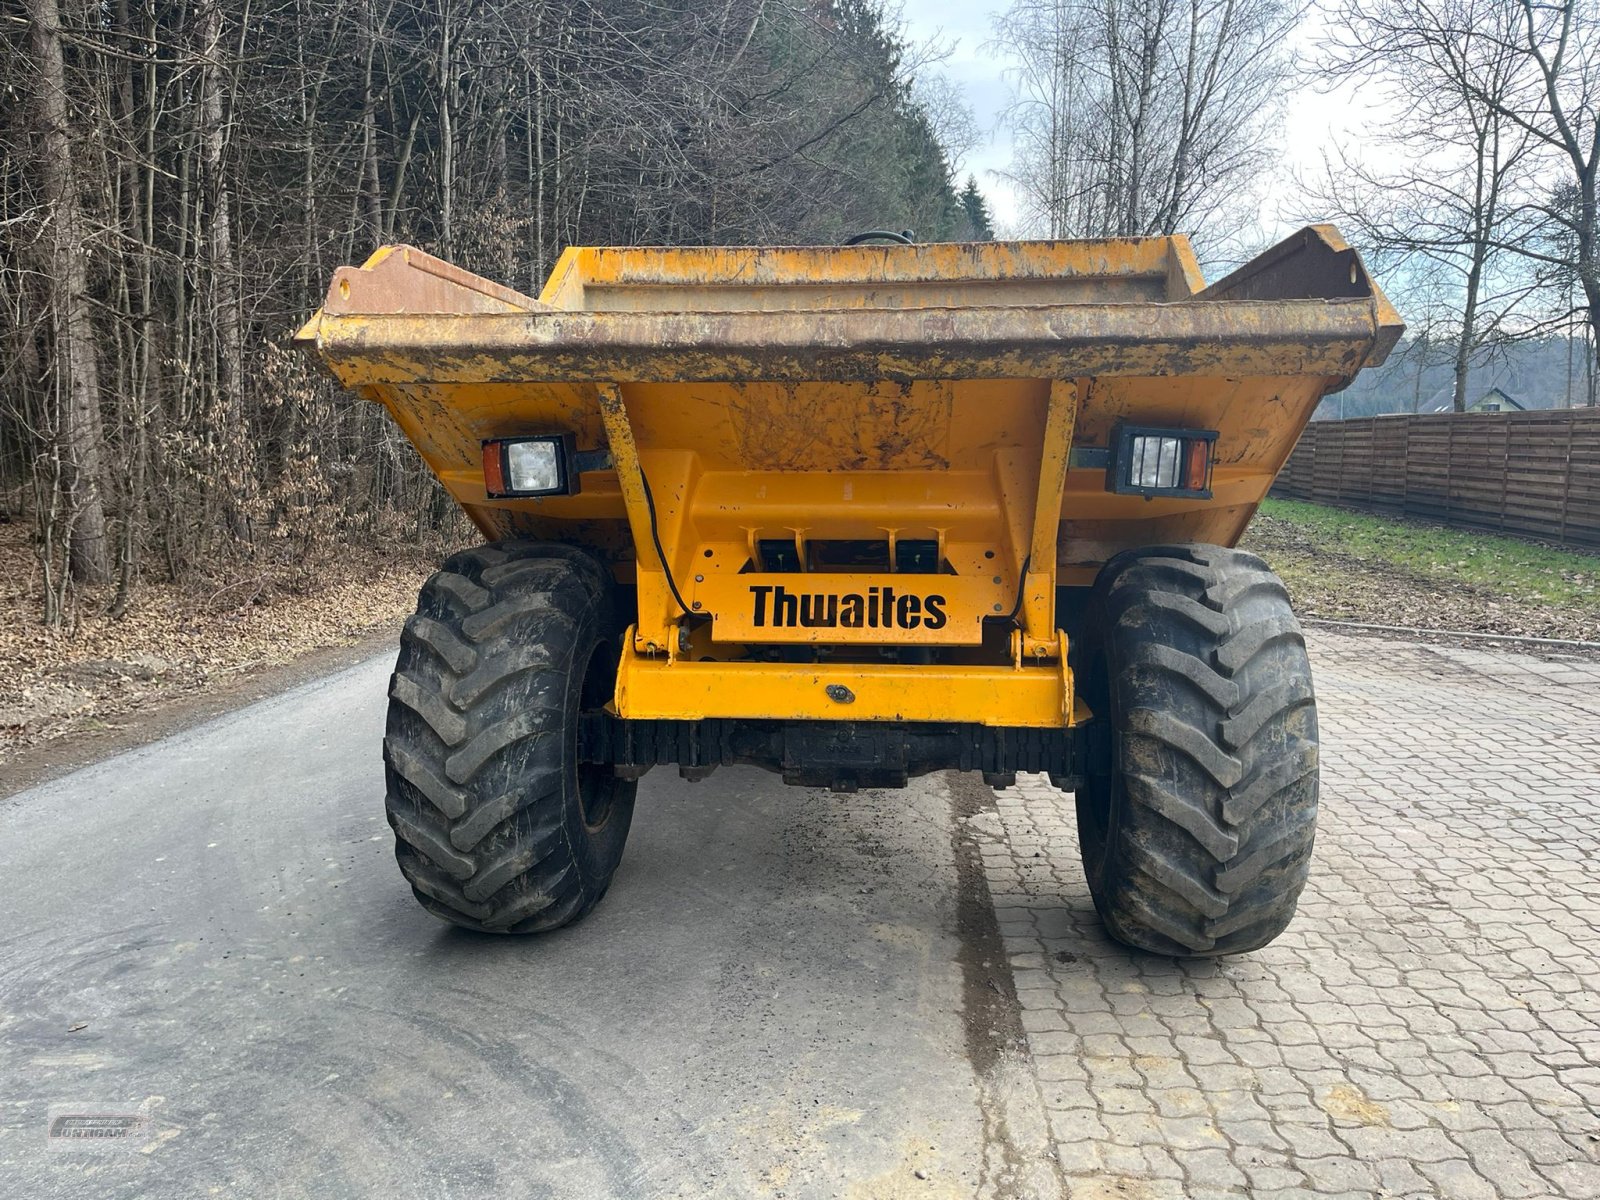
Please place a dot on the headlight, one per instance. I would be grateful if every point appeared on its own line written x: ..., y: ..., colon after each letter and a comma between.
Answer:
x: 530, y: 466
x: 1161, y: 462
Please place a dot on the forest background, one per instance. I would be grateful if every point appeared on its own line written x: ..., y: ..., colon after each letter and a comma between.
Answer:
x: 179, y: 179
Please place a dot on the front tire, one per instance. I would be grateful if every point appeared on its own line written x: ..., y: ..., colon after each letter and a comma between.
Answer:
x: 497, y: 825
x: 1198, y: 812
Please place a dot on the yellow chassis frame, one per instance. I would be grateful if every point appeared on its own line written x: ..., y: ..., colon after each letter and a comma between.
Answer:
x: 1032, y: 696
x: 656, y: 682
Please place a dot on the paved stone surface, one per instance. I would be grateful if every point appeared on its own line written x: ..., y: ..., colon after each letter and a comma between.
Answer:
x: 1428, y: 1026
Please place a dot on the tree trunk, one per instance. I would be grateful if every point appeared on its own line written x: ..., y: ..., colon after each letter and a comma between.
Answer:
x: 369, y: 130
x: 1589, y: 275
x: 1466, y: 343
x: 1463, y: 366
x: 77, y: 394
x: 1587, y: 266
x: 447, y: 135
x: 227, y: 420
x: 1594, y: 355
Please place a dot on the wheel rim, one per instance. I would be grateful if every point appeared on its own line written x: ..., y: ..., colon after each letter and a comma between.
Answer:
x: 1098, y: 811
x: 597, y: 783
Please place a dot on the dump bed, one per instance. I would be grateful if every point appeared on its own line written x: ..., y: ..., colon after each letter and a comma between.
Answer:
x: 848, y: 402
x: 868, y: 358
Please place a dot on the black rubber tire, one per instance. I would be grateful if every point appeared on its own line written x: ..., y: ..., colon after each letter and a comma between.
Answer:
x: 1199, y: 809
x: 497, y: 826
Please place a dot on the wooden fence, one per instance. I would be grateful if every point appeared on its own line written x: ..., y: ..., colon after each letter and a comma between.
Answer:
x: 1533, y: 473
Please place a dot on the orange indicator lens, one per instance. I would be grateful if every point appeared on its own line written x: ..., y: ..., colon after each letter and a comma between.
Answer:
x: 494, y: 473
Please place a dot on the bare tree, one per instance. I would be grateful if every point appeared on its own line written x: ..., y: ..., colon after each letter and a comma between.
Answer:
x: 1442, y: 209
x: 1139, y: 117
x: 1559, y: 43
x: 175, y: 180
x: 949, y: 115
x: 222, y: 291
x: 77, y: 432
x: 1499, y: 138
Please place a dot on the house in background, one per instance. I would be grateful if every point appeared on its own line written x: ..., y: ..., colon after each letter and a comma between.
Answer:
x: 1494, y: 400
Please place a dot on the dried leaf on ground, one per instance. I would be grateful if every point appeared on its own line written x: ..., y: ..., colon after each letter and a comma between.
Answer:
x: 176, y: 640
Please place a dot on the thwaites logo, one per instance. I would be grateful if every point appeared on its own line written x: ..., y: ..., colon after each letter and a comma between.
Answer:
x: 776, y: 607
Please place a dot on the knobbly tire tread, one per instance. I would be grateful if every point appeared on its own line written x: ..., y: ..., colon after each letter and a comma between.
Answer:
x: 1196, y: 828
x: 483, y: 787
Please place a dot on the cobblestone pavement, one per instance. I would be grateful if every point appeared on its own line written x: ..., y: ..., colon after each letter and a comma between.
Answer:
x: 1430, y: 1023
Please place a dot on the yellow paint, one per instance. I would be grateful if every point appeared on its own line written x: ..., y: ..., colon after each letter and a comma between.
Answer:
x: 1028, y: 696
x: 658, y: 608
x: 871, y: 394
x: 1039, y: 584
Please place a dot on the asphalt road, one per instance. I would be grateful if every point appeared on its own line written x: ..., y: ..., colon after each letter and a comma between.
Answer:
x: 786, y: 993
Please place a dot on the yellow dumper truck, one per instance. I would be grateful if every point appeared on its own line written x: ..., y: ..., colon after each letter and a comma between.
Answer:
x: 853, y: 514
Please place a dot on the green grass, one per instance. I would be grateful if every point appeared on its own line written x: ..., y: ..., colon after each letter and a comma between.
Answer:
x: 1523, y: 569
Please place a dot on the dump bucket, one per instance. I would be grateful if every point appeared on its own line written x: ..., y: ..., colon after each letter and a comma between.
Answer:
x: 889, y: 456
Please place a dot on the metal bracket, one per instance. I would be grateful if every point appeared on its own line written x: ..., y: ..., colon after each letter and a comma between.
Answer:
x: 1090, y: 458
x: 1039, y: 637
x: 654, y: 634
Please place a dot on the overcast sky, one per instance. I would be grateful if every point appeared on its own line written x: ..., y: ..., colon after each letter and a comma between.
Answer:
x: 979, y: 71
x: 1312, y: 120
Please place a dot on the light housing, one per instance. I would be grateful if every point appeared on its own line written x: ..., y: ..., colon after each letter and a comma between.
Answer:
x: 543, y: 465
x: 1154, y: 461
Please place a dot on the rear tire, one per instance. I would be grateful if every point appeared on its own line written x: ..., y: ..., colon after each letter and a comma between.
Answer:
x: 1198, y: 812
x: 497, y: 826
